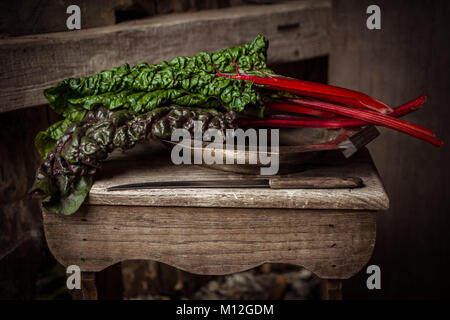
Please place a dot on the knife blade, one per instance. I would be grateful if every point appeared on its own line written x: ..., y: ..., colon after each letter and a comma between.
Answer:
x: 274, y: 183
x: 256, y: 183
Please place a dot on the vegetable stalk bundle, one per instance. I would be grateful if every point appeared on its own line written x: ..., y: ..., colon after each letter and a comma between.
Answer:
x: 120, y: 107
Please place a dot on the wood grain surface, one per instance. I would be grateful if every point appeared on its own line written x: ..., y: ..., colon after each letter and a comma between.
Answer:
x: 152, y: 163
x: 297, y: 30
x: 21, y: 18
x: 332, y: 244
x: 315, y: 182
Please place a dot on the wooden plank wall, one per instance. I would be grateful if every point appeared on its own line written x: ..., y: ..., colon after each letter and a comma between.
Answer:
x: 23, y: 17
x: 409, y: 56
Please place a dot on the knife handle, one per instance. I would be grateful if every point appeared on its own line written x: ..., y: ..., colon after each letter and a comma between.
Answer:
x: 315, y: 182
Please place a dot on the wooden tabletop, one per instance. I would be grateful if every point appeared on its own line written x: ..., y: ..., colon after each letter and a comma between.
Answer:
x: 152, y: 163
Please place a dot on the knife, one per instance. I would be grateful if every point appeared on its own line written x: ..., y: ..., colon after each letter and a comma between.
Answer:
x: 274, y: 183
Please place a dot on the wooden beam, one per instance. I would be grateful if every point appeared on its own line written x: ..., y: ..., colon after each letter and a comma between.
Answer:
x: 296, y: 30
x: 21, y: 18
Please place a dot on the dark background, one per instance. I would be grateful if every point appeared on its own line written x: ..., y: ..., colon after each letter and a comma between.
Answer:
x: 409, y: 56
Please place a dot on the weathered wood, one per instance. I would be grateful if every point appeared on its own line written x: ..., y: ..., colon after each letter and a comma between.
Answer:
x: 331, y: 289
x: 315, y: 182
x: 219, y: 231
x: 155, y: 165
x: 332, y: 244
x: 21, y: 17
x: 297, y: 30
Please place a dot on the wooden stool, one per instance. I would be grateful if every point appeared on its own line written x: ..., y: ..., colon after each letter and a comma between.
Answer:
x: 331, y: 232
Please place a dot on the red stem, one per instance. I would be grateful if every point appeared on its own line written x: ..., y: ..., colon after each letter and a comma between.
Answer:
x: 410, y: 106
x: 300, y: 123
x: 371, y: 117
x: 308, y: 111
x: 338, y: 95
x: 316, y: 90
x: 336, y: 121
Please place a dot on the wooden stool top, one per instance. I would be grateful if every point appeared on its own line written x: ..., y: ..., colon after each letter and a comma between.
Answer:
x: 220, y: 231
x: 152, y: 163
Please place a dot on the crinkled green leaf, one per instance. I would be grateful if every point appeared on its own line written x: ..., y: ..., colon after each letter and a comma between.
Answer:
x: 45, y: 140
x: 189, y: 81
x: 145, y: 101
x: 44, y: 143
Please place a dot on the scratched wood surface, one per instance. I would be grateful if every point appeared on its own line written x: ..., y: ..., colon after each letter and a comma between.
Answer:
x: 152, y: 163
x: 297, y: 30
x: 219, y: 231
x: 18, y: 18
x: 332, y: 244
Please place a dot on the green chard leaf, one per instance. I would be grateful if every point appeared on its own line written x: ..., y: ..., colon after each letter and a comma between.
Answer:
x: 184, y: 81
x: 45, y: 140
x: 70, y: 202
x: 190, y: 81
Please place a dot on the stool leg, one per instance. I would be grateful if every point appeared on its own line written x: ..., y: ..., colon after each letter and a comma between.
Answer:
x: 88, y: 286
x: 331, y: 289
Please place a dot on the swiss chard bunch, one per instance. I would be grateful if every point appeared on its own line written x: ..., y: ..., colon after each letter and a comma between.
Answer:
x: 184, y: 81
x: 233, y: 87
x: 236, y: 79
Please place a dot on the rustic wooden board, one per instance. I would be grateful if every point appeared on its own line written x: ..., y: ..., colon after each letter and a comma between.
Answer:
x: 22, y: 18
x: 332, y: 244
x: 154, y: 164
x: 297, y: 30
